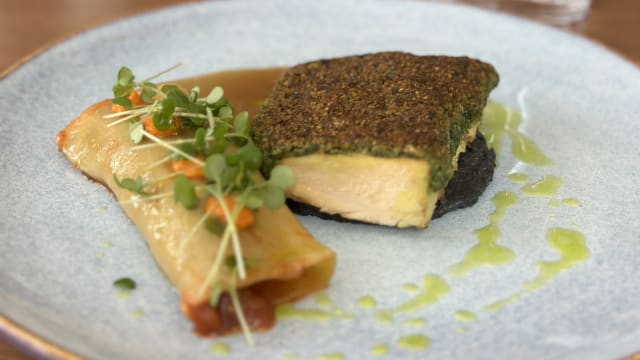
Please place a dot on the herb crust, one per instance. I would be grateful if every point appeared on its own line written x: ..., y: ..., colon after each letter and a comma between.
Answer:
x: 388, y: 104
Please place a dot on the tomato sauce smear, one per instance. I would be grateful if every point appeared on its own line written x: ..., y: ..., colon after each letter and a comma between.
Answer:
x: 223, y: 320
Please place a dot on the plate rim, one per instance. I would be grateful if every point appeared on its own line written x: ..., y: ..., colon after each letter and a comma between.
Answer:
x: 29, y: 343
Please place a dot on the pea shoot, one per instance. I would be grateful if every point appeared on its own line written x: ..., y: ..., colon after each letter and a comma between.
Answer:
x: 215, y: 167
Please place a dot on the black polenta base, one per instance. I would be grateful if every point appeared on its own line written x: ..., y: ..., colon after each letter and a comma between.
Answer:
x: 475, y: 172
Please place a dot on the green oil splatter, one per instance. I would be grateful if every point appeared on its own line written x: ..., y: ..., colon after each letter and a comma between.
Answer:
x: 414, y: 322
x: 487, y: 251
x: 465, y: 315
x: 367, y: 302
x: 137, y: 313
x: 220, y: 349
x: 498, y: 120
x: 415, y: 342
x: 546, y: 187
x: 433, y: 288
x: 322, y: 300
x: 571, y: 202
x: 573, y: 250
x: 332, y: 356
x: 379, y: 349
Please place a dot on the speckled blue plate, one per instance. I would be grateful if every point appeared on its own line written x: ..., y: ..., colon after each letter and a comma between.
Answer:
x: 581, y: 106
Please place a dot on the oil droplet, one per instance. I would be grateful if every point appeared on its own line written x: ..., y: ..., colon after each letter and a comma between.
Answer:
x: 527, y: 151
x: 287, y: 311
x: 322, y: 300
x: 502, y: 200
x: 433, y: 288
x: 495, y: 306
x: 385, y: 316
x: 547, y: 187
x: 465, y: 315
x: 571, y: 202
x: 553, y: 203
x: 290, y: 356
x: 573, y: 250
x: 123, y: 294
x: 332, y: 356
x: 414, y: 342
x: 411, y: 288
x: 220, y: 348
x: 518, y: 177
x: 107, y: 244
x: 487, y: 251
x: 102, y: 208
x: 99, y: 255
x: 498, y: 120
x: 367, y: 302
x: 380, y: 349
x: 415, y: 322
x: 137, y: 313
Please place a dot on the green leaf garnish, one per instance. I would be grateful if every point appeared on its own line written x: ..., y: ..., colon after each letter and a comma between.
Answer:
x: 121, y: 90
x: 215, y: 95
x: 184, y: 192
x: 254, y: 202
x: 135, y: 131
x: 162, y: 119
x: 215, y: 294
x: 251, y: 156
x: 215, y: 226
x: 273, y: 197
x: 282, y: 177
x: 241, y: 123
x: 187, y: 148
x: 233, y: 158
x: 125, y: 284
x: 200, y: 141
x: 124, y: 83
x: 214, y: 166
x: 148, y: 92
x: 179, y: 98
x: 230, y: 176
x: 132, y: 185
x: 231, y: 261
x: 123, y: 101
x: 194, y: 94
x: 125, y: 76
x: 225, y: 112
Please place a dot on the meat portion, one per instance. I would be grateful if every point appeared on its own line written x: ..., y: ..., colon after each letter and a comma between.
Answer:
x: 361, y: 187
x: 475, y: 172
x: 376, y: 137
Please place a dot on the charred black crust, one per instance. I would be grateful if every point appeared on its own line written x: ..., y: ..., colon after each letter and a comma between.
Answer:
x: 475, y: 172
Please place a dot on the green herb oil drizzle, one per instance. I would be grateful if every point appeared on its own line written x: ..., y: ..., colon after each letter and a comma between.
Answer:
x: 487, y: 251
x: 498, y: 120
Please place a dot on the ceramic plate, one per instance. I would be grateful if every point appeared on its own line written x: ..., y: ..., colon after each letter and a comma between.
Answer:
x: 580, y: 106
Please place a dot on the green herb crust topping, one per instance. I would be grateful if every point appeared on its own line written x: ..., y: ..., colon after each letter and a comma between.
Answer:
x: 388, y: 104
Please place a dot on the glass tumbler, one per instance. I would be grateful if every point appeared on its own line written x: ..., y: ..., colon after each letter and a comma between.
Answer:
x: 555, y: 12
